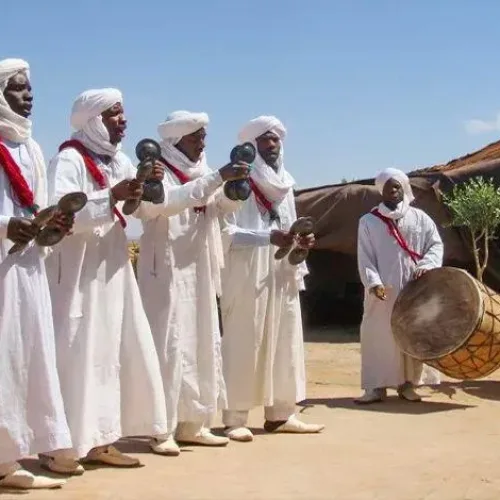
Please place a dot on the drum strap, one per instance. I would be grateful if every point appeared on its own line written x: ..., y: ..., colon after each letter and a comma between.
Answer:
x: 93, y: 170
x: 19, y: 185
x: 394, y: 231
x: 182, y: 178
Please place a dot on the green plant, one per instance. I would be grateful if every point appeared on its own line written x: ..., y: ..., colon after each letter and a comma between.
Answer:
x: 475, y: 205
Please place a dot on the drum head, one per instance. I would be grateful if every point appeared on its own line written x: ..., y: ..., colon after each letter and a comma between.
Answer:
x: 72, y: 202
x: 437, y: 313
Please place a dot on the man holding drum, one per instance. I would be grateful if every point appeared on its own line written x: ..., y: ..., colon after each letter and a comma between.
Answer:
x: 396, y: 243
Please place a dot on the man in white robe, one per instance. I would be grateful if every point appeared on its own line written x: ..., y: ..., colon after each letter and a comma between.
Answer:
x: 107, y: 362
x: 179, y: 277
x: 262, y: 343
x: 32, y: 418
x: 396, y: 243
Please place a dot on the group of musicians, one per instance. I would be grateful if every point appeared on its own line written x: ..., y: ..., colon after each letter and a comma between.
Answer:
x: 91, y: 354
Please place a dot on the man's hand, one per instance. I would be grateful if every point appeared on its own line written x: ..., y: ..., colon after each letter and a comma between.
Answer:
x: 379, y: 292
x: 62, y: 222
x: 282, y: 238
x: 158, y: 171
x: 234, y: 171
x: 419, y: 273
x: 306, y: 242
x: 21, y: 230
x: 128, y: 189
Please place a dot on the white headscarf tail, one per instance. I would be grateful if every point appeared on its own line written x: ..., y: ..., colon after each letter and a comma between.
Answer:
x: 13, y: 127
x: 87, y: 121
x: 408, y: 198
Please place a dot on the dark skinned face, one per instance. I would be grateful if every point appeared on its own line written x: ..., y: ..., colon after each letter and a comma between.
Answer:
x: 18, y: 95
x: 392, y: 193
x: 193, y: 145
x: 269, y: 147
x: 115, y: 123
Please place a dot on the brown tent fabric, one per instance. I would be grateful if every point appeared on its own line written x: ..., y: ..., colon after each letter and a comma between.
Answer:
x: 337, y: 210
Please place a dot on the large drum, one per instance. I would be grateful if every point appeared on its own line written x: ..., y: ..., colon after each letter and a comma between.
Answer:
x: 450, y: 321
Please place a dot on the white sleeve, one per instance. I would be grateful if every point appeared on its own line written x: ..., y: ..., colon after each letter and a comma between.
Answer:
x: 4, y: 223
x: 433, y: 246
x: 66, y: 174
x: 367, y: 260
x: 194, y: 193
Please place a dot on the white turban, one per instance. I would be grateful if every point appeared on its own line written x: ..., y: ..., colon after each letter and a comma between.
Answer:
x: 13, y: 127
x: 87, y: 121
x: 181, y: 123
x: 259, y: 126
x: 402, y: 178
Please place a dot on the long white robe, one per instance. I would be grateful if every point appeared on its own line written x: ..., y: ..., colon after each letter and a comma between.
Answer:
x: 109, y: 371
x: 176, y: 281
x: 32, y: 418
x: 262, y: 343
x: 381, y: 261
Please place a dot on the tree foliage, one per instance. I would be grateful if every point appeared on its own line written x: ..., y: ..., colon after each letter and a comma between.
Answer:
x: 475, y: 205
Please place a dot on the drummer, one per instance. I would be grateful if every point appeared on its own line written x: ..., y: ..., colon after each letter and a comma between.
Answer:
x: 396, y: 243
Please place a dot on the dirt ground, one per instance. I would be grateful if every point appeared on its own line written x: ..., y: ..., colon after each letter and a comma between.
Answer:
x: 445, y: 448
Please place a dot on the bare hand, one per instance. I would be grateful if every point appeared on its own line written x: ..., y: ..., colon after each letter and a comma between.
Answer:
x: 128, y: 189
x: 306, y: 242
x: 379, y: 292
x: 234, y: 171
x: 158, y: 171
x: 282, y: 238
x: 419, y: 273
x: 62, y: 222
x: 21, y: 230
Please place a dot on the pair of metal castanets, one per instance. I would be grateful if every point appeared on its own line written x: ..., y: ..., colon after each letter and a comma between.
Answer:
x: 303, y: 226
x: 47, y: 235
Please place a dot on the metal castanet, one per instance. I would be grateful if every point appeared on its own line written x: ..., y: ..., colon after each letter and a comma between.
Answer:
x: 68, y: 205
x: 148, y: 151
x: 303, y: 226
x: 240, y: 190
x: 43, y: 217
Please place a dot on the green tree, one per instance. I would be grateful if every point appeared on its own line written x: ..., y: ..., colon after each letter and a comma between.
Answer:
x: 475, y: 205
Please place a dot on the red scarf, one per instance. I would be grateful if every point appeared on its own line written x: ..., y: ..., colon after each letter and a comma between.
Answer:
x: 262, y: 200
x: 93, y: 170
x: 394, y: 231
x: 21, y: 189
x: 182, y: 178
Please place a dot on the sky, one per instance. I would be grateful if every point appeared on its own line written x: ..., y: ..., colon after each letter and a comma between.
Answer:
x: 361, y: 85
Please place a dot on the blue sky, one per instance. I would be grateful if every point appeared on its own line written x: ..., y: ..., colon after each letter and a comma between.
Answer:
x: 360, y: 84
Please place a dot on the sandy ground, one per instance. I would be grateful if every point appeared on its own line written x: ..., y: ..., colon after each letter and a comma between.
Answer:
x: 445, y: 448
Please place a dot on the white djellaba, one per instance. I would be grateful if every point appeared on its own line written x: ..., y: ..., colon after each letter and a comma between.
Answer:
x: 107, y: 362
x: 32, y: 418
x: 382, y: 262
x: 179, y: 278
x: 262, y: 343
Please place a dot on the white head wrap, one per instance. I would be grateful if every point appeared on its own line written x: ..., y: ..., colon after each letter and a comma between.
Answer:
x: 16, y: 128
x: 274, y: 185
x: 13, y: 127
x: 402, y: 178
x: 181, y: 123
x: 87, y: 121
